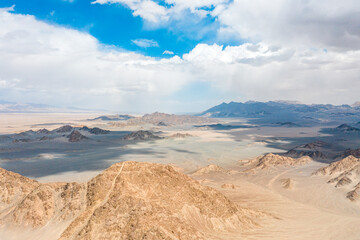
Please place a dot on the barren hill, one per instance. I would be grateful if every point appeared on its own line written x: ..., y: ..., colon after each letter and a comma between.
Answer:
x: 273, y: 160
x: 129, y: 200
x: 345, y: 172
x: 210, y: 169
x: 164, y: 119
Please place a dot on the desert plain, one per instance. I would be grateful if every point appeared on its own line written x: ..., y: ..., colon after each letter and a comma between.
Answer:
x: 276, y: 196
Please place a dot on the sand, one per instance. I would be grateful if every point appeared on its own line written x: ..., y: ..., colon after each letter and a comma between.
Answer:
x: 311, y: 209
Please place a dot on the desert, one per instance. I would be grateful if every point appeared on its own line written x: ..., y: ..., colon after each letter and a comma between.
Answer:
x: 179, y: 120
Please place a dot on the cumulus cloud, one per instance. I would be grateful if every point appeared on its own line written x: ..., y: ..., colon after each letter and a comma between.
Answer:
x: 145, y: 43
x: 49, y: 64
x: 148, y: 10
x: 154, y: 13
x: 62, y: 66
x: 312, y: 23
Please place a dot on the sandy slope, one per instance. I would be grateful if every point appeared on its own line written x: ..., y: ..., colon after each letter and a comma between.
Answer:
x: 129, y: 200
x: 311, y: 210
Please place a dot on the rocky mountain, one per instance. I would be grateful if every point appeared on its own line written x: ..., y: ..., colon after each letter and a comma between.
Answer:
x: 352, y: 152
x: 140, y: 135
x: 76, y: 136
x: 117, y: 117
x: 345, y: 172
x: 347, y: 128
x: 294, y: 114
x: 271, y: 160
x: 312, y: 149
x: 129, y: 200
x: 212, y: 168
x: 314, y: 154
x: 164, y: 119
x: 64, y: 129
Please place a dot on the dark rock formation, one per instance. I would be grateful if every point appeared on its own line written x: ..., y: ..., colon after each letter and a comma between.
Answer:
x: 98, y: 131
x: 141, y: 135
x: 76, y: 136
x: 64, y: 129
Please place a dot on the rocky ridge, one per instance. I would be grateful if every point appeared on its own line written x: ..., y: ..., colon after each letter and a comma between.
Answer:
x: 129, y: 200
x: 345, y: 173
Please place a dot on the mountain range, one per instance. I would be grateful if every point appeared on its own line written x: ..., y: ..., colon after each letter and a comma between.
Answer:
x: 278, y: 112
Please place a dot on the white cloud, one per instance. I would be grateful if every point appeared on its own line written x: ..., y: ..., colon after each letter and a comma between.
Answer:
x: 154, y: 13
x: 146, y: 9
x: 50, y: 64
x: 145, y: 43
x: 312, y: 23
x: 168, y: 52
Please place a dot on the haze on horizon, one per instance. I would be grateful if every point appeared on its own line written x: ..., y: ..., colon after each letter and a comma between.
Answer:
x: 176, y: 55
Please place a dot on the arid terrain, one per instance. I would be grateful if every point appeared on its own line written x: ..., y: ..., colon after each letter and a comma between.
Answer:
x: 161, y: 176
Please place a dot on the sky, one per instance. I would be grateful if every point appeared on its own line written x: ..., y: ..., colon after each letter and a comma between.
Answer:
x: 178, y: 55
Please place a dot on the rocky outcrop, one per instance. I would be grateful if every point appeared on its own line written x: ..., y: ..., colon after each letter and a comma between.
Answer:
x: 141, y: 135
x: 347, y: 128
x: 312, y: 149
x: 339, y: 167
x: 161, y: 124
x: 43, y: 131
x: 287, y: 183
x: 95, y: 130
x: 64, y: 129
x: 344, y: 173
x: 212, y: 168
x: 76, y: 136
x: 129, y: 200
x: 98, y: 131
x: 164, y: 119
x: 354, y: 195
x: 294, y: 153
x: 350, y: 152
x: 316, y: 145
x: 273, y: 160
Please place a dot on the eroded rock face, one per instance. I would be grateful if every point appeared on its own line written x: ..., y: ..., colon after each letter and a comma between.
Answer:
x: 351, y: 152
x: 76, y: 136
x: 294, y: 153
x: 345, y: 173
x: 340, y: 166
x: 354, y: 195
x: 287, y: 183
x: 163, y: 119
x: 28, y: 203
x: 273, y: 160
x: 141, y: 135
x: 64, y: 129
x: 98, y: 131
x: 129, y: 200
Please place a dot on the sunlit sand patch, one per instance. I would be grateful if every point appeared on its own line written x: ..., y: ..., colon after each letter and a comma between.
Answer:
x: 206, y: 136
x: 50, y: 155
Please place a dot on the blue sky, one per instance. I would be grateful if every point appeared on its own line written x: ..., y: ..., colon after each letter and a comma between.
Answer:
x: 109, y: 54
x: 114, y: 24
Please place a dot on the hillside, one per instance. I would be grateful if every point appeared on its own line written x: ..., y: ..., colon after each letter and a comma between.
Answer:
x: 129, y: 200
x: 275, y: 112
